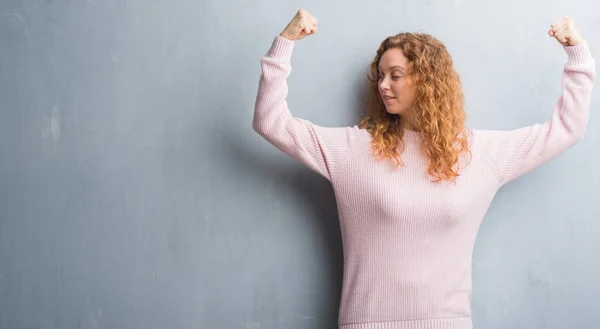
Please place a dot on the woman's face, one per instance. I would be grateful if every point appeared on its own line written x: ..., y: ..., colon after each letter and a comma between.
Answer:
x: 395, y: 88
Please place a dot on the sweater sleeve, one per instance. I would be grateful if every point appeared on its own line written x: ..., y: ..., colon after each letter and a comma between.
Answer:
x: 322, y: 149
x: 514, y: 153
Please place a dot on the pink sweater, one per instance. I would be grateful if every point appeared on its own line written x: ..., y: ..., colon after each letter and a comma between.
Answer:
x: 408, y: 242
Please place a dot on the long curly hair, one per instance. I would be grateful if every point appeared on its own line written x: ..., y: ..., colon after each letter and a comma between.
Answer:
x: 437, y: 111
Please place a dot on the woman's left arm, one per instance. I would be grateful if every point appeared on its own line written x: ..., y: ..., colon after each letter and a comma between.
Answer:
x: 516, y: 152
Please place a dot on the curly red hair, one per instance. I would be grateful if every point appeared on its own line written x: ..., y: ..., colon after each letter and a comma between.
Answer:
x: 437, y: 111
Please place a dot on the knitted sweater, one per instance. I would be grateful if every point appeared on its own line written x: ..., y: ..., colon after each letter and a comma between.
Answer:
x: 407, y: 241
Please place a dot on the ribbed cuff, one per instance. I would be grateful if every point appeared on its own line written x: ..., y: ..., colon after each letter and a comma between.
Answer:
x: 281, y: 48
x: 578, y: 54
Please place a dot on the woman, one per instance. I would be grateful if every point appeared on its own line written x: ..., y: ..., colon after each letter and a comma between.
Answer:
x: 412, y: 183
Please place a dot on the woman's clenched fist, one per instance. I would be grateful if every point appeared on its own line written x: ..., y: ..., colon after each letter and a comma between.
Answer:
x: 565, y: 32
x: 301, y: 26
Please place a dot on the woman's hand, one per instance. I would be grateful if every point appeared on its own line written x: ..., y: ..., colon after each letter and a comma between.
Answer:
x: 301, y: 26
x: 565, y: 32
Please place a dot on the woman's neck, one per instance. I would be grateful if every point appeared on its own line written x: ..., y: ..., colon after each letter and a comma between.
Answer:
x: 408, y: 126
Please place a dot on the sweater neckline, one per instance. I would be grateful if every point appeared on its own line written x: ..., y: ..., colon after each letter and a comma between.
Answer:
x: 411, y: 133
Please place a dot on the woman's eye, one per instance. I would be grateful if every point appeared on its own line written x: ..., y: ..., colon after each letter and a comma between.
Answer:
x: 395, y: 77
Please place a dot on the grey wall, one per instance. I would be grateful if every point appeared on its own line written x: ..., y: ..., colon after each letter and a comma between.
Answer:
x: 135, y: 194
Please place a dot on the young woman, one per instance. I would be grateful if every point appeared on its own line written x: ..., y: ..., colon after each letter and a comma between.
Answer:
x: 412, y: 183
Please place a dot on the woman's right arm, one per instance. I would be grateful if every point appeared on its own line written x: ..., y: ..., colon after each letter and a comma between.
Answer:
x: 322, y: 149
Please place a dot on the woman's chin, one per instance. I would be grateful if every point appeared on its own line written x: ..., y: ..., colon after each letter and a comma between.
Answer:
x: 392, y: 110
